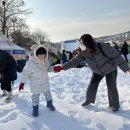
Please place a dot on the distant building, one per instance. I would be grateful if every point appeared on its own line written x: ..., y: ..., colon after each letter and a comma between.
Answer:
x: 128, y: 35
x: 70, y: 45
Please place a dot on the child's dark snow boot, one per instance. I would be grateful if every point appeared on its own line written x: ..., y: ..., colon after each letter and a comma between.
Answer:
x: 35, y: 111
x: 50, y: 105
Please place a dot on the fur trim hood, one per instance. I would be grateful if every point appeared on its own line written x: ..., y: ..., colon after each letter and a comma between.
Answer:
x: 35, y: 47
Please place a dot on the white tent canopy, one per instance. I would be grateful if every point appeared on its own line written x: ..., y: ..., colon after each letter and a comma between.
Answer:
x: 9, y: 46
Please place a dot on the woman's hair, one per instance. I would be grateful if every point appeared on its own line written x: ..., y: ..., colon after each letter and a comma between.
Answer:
x: 88, y: 41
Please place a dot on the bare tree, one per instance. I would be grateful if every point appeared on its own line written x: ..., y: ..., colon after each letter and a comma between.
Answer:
x: 20, y: 32
x: 40, y: 36
x: 9, y: 10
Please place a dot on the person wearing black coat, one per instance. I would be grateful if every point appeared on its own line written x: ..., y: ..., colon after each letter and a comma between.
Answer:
x: 8, y: 73
x: 124, y: 51
x: 116, y: 46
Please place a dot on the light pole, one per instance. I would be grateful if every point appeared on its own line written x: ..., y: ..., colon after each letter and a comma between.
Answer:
x: 4, y: 22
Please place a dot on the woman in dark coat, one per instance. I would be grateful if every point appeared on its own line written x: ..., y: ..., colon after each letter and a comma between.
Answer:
x: 124, y: 51
x: 8, y: 69
x: 103, y: 61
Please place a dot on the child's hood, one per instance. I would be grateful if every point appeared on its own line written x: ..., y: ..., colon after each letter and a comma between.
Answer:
x: 34, y: 49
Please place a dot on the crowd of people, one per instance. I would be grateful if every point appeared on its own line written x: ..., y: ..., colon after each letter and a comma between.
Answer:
x: 65, y: 56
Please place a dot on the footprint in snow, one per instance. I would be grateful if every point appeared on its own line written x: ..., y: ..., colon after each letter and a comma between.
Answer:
x: 87, y: 122
x: 78, y: 98
x: 9, y: 117
x: 61, y: 96
x: 75, y: 91
x: 73, y: 102
x: 73, y: 115
x: 101, y: 127
x: 125, y: 127
x: 3, y: 113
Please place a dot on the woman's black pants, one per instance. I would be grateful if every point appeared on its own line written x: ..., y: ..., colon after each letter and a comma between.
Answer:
x: 113, y: 96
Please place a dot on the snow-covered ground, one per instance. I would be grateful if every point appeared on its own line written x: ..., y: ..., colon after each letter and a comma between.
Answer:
x: 68, y: 89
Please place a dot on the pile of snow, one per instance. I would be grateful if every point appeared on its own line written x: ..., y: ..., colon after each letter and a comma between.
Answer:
x: 68, y: 89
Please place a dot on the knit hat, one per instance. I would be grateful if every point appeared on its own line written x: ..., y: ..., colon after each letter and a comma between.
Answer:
x: 41, y: 51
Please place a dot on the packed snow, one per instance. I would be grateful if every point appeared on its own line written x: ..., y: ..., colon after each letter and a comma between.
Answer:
x: 68, y: 90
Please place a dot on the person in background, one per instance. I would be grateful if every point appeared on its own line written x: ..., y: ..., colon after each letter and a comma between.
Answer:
x: 63, y: 58
x: 71, y: 55
x: 103, y: 61
x: 68, y: 55
x: 8, y: 73
x: 58, y: 56
x: 74, y: 53
x: 54, y: 59
x: 36, y: 72
x: 124, y: 51
x: 115, y: 45
x: 50, y: 59
x: 27, y: 57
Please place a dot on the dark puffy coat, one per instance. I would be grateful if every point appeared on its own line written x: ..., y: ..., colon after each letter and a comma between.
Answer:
x: 99, y: 63
x: 124, y: 49
x: 8, y: 67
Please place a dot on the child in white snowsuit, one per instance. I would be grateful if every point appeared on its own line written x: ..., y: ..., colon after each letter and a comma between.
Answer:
x: 35, y: 71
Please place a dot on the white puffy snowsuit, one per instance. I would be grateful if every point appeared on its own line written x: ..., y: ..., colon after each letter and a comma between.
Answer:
x: 37, y: 73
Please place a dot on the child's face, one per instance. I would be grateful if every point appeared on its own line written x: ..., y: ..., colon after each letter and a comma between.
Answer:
x: 41, y: 57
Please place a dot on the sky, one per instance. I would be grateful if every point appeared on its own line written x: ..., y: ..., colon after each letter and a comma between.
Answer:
x: 69, y: 19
